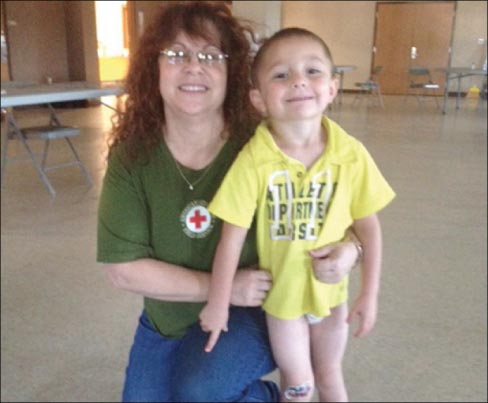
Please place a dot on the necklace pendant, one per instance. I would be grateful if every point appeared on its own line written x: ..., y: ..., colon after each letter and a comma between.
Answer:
x: 190, y: 187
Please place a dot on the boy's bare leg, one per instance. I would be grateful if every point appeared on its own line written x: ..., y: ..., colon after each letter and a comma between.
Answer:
x: 290, y: 342
x: 328, y: 344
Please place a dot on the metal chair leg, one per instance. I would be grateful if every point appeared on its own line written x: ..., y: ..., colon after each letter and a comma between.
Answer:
x: 44, y: 154
x: 380, y: 97
x: 82, y: 166
x: 13, y: 130
x: 39, y: 168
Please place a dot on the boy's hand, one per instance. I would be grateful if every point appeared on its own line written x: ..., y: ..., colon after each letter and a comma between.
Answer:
x: 332, y: 262
x: 366, y: 307
x: 213, y: 320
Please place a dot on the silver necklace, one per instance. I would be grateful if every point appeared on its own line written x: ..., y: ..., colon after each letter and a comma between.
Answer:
x: 191, y: 186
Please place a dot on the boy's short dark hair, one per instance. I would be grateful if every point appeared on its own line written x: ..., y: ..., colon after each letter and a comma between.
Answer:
x: 283, y: 34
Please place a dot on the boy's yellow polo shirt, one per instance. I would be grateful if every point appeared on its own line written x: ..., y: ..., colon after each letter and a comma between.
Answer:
x: 298, y: 210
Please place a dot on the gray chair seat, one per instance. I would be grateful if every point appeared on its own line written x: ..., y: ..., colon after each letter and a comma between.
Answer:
x: 370, y: 88
x: 421, y: 84
x: 50, y: 132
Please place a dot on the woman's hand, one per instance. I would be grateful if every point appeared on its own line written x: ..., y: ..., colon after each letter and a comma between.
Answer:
x: 250, y: 287
x: 332, y: 262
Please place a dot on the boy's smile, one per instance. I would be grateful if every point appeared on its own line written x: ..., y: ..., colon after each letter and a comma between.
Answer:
x: 294, y: 81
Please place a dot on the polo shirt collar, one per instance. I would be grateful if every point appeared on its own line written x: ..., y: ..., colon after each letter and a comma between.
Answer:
x: 340, y: 148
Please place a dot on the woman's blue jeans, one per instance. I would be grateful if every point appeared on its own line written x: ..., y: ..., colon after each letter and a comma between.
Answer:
x: 169, y: 370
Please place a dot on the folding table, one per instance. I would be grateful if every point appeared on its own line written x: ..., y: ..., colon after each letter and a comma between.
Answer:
x: 15, y: 94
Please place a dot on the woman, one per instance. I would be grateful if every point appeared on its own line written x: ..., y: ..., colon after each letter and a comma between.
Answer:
x: 186, y: 116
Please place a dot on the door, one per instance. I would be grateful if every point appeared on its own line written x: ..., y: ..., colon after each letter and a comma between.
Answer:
x: 409, y: 35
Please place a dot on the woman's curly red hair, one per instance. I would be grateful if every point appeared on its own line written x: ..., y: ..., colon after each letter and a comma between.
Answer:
x: 141, y: 119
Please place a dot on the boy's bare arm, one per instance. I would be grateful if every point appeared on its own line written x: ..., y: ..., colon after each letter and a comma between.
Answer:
x: 214, y: 315
x: 368, y: 231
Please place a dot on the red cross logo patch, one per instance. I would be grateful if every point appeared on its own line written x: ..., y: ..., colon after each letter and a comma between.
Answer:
x: 196, y: 220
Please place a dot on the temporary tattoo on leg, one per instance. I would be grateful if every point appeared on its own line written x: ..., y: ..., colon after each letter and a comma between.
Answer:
x: 299, y: 391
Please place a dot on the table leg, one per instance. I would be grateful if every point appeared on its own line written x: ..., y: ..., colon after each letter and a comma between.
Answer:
x: 4, y: 147
x: 446, y: 95
x: 458, y: 96
x: 341, y: 79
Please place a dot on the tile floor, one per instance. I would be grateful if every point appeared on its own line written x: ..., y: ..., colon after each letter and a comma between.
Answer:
x: 66, y: 332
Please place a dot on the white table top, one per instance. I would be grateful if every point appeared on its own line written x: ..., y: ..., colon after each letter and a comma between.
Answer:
x: 463, y: 71
x: 344, y: 68
x: 29, y: 94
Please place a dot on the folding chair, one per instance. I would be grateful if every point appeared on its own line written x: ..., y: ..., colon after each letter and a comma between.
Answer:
x: 420, y: 84
x: 47, y: 133
x: 370, y: 88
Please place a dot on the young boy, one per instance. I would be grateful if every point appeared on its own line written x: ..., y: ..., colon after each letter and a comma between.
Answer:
x: 307, y: 181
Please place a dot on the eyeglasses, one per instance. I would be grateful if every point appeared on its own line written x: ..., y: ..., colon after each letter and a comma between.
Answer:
x: 206, y: 57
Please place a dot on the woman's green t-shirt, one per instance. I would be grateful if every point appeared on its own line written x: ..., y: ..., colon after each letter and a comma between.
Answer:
x: 147, y: 210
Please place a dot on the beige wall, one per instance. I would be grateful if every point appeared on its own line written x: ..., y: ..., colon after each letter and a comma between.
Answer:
x: 470, y: 25
x: 346, y: 26
x: 266, y: 15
